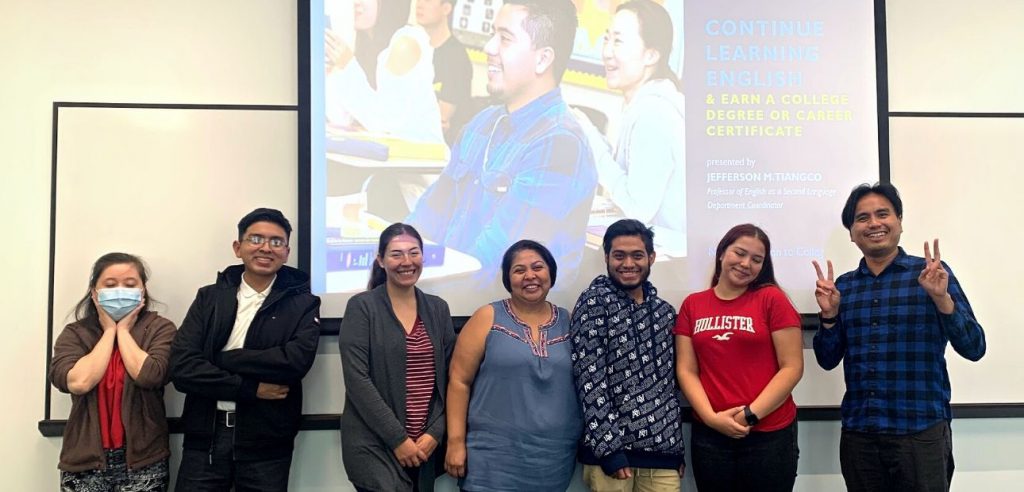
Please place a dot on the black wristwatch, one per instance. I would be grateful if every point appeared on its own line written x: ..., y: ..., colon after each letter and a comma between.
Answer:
x: 749, y: 415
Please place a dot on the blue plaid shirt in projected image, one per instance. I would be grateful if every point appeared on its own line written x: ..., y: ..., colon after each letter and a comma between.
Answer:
x: 528, y: 174
x: 892, y: 341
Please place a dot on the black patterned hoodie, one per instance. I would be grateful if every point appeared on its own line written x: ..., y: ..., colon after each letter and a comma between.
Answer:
x: 624, y: 366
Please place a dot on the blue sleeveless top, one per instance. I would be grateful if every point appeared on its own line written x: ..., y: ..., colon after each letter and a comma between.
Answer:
x: 524, y: 418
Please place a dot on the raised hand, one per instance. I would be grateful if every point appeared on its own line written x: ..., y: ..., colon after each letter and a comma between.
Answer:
x: 934, y: 278
x: 128, y: 322
x: 106, y: 322
x: 337, y: 52
x: 825, y: 291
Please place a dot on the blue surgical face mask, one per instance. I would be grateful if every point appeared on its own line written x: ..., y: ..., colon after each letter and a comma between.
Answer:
x: 118, y: 301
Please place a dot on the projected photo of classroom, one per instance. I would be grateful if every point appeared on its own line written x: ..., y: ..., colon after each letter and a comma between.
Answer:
x: 690, y: 116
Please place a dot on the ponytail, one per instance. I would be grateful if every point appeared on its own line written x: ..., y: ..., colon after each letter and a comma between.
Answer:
x: 377, y: 275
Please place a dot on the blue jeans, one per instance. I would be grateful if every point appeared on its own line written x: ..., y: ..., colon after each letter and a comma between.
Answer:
x: 217, y: 471
x: 762, y: 461
x: 921, y: 462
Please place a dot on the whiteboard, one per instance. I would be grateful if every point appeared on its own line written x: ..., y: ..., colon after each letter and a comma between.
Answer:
x: 167, y: 183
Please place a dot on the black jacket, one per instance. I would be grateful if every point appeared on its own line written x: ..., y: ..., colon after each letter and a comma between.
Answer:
x: 279, y: 348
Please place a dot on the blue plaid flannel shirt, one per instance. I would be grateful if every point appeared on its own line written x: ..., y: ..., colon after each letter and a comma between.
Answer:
x: 892, y: 341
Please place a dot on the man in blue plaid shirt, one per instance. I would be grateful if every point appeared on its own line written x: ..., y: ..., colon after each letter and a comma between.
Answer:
x: 889, y: 322
x: 522, y: 169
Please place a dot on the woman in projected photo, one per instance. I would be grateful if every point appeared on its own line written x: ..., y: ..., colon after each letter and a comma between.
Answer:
x: 113, y: 361
x: 645, y: 173
x: 396, y: 343
x: 738, y: 357
x: 519, y: 429
x: 389, y: 86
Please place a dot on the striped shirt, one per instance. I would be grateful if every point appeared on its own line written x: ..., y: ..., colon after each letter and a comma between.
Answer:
x: 419, y: 379
x: 892, y: 341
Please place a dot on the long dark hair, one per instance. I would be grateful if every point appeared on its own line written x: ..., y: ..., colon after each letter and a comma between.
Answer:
x: 377, y: 274
x: 391, y: 15
x: 86, y: 308
x: 767, y: 275
x: 656, y: 31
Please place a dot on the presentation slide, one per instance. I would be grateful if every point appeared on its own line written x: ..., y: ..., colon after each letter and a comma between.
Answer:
x: 691, y: 117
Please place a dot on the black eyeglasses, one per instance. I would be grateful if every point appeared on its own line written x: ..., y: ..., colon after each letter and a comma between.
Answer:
x: 274, y: 242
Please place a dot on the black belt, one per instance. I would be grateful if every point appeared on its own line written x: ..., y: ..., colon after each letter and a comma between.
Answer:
x: 226, y: 417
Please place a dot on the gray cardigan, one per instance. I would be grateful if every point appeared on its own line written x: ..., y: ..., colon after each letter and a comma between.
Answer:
x: 372, y: 343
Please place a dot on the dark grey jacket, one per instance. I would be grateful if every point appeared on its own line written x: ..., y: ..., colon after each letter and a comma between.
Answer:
x: 372, y: 343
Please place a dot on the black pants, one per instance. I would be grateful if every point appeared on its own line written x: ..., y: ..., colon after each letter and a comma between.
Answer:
x: 202, y: 471
x: 921, y: 462
x: 762, y: 461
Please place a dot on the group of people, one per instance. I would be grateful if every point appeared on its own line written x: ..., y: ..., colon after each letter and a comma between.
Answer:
x: 527, y: 388
x: 239, y: 357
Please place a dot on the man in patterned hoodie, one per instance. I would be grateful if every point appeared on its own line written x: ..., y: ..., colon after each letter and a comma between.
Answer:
x: 624, y: 364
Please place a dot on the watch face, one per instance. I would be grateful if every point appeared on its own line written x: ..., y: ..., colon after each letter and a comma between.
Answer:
x: 751, y: 418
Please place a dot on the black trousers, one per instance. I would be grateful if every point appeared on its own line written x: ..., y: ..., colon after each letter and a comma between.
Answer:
x: 218, y: 471
x: 921, y: 462
x: 762, y: 461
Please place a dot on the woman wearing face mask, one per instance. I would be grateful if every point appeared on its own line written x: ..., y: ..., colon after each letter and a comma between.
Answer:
x: 113, y: 361
x: 395, y: 344
x: 386, y: 83
x: 738, y: 357
x: 513, y: 416
x: 644, y: 174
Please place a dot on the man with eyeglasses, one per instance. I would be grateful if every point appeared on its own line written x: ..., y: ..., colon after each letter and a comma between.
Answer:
x: 239, y: 357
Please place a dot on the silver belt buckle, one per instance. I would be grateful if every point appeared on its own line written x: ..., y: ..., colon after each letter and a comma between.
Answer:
x: 229, y: 419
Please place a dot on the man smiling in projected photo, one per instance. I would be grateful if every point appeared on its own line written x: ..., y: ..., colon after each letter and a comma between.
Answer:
x: 889, y: 321
x: 522, y: 169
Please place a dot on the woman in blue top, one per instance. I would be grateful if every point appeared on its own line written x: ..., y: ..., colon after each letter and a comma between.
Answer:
x: 519, y: 429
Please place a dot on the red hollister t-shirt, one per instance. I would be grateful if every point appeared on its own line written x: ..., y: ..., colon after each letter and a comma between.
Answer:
x: 733, y: 343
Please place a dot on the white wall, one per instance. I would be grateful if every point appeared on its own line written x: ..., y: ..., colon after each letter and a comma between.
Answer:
x: 943, y: 56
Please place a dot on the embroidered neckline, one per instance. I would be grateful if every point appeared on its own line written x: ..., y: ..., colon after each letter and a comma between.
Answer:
x: 538, y: 347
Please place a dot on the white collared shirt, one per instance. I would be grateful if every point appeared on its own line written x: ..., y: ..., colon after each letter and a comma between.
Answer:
x: 249, y: 302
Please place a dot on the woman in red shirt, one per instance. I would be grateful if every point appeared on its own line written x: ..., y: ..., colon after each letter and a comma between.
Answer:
x: 113, y: 361
x: 738, y: 357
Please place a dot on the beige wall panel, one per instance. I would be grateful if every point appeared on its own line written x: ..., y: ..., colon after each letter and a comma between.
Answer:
x: 955, y: 56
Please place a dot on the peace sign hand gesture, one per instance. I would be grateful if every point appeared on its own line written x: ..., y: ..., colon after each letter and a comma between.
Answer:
x: 825, y: 291
x: 935, y: 279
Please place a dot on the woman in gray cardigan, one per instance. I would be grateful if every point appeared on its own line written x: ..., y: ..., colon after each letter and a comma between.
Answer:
x: 396, y: 343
